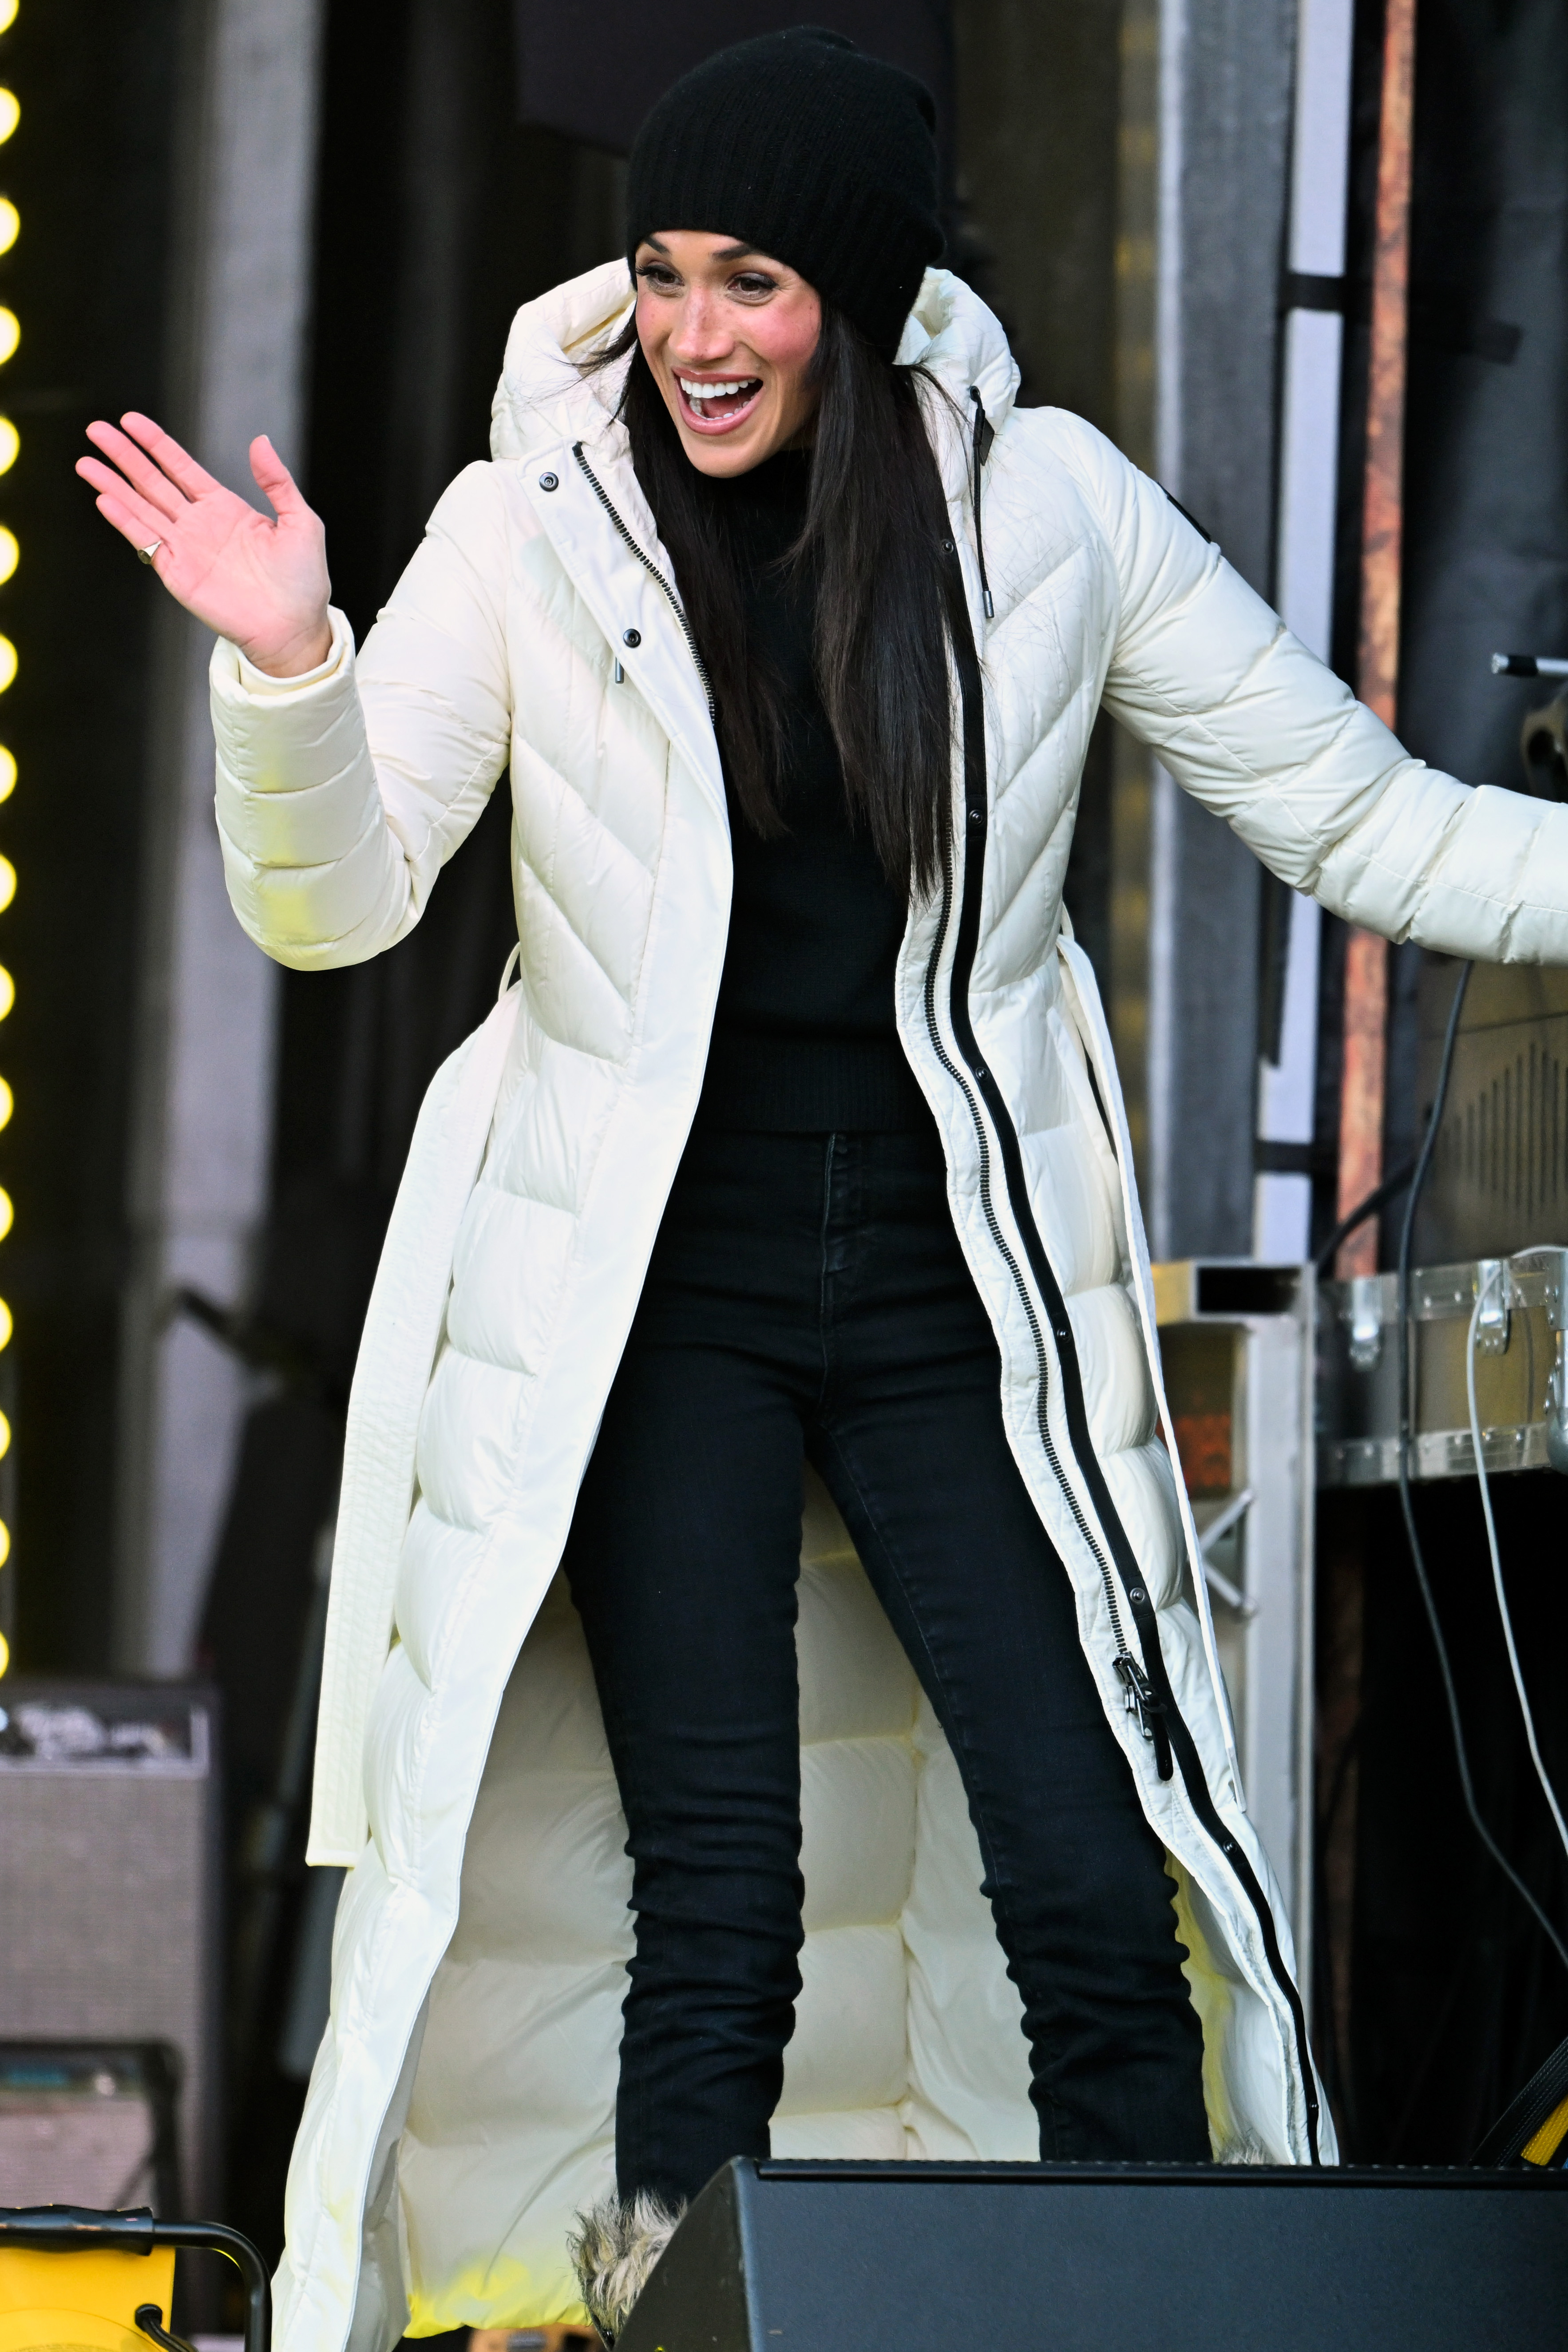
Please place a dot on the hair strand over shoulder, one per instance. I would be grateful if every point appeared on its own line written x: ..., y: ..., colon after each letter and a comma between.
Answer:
x: 877, y: 536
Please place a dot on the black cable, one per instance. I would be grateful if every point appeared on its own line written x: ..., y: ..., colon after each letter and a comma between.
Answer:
x: 1461, y: 1754
x: 1377, y: 1198
x: 1523, y: 2117
x: 150, y: 2320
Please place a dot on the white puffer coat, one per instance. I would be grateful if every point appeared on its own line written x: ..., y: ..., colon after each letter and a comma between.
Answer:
x: 461, y: 2108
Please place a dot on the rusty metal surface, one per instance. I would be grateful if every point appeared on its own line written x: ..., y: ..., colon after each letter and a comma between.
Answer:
x: 1366, y: 965
x: 1383, y: 506
x: 1360, y: 1094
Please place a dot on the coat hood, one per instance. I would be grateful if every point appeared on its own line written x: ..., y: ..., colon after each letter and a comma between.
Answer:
x: 543, y: 397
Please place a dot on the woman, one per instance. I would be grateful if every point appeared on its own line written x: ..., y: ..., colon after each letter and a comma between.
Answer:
x: 798, y: 1134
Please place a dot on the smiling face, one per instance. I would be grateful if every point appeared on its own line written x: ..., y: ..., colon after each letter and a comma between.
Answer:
x: 728, y: 334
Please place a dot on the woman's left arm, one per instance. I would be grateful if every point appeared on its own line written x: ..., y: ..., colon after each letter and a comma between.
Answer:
x: 1260, y: 730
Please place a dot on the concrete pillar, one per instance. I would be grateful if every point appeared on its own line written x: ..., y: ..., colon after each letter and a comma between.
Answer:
x: 1223, y: 149
x: 1038, y: 94
x: 207, y: 999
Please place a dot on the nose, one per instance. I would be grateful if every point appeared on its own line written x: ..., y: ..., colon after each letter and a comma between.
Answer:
x: 702, y: 337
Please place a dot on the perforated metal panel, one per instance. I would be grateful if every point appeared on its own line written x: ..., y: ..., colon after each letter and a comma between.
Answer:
x: 109, y: 1883
x: 1499, y: 1174
x: 86, y: 2124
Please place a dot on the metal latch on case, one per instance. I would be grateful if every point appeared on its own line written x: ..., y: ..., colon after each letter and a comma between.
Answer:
x: 1554, y: 1263
x: 1495, y: 1291
x: 1365, y: 1319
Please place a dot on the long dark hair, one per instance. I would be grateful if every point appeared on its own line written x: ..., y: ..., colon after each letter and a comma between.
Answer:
x: 877, y: 537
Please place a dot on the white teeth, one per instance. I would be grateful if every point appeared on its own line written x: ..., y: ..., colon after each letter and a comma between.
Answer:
x: 697, y: 394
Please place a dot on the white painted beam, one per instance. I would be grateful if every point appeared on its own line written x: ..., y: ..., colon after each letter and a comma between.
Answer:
x: 1304, y: 585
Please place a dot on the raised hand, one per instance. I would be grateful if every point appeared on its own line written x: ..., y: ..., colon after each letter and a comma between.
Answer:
x: 262, y: 583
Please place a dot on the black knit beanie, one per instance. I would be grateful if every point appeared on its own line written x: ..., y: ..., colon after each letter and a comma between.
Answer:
x: 811, y: 150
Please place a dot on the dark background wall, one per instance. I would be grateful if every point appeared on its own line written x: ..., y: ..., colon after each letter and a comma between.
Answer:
x: 88, y: 170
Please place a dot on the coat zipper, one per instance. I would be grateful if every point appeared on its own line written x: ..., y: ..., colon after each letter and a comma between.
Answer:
x: 1138, y: 1692
x: 1145, y: 1685
x: 650, y: 567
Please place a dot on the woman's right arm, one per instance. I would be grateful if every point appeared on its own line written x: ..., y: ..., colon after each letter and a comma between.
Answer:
x: 342, y: 793
x: 343, y: 787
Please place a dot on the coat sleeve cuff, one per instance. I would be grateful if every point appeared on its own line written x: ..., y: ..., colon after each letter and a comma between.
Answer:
x: 230, y: 670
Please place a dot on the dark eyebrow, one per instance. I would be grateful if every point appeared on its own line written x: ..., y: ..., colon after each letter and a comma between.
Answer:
x: 725, y: 252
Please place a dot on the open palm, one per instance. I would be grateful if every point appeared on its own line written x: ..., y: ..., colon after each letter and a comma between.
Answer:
x: 261, y: 582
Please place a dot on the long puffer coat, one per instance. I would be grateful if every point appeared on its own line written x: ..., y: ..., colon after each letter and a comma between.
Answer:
x: 461, y: 2108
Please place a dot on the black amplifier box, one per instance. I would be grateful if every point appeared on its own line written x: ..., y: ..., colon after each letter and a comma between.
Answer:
x: 1111, y: 2258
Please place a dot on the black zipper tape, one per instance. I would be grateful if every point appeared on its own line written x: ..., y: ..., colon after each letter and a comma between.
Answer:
x: 1147, y: 1682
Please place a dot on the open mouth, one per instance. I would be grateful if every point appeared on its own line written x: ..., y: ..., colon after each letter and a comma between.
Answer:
x: 720, y: 401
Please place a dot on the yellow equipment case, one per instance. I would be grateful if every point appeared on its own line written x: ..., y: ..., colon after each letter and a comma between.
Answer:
x: 73, y: 2280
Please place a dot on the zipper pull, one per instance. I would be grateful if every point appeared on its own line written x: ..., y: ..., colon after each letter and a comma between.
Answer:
x: 984, y: 434
x: 1150, y: 1711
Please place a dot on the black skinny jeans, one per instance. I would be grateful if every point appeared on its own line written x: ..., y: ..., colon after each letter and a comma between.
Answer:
x: 808, y: 1293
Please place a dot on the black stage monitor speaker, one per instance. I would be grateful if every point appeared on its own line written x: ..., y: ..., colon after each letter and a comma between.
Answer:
x: 1111, y: 2258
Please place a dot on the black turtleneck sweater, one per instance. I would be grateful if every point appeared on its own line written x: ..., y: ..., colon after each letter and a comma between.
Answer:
x: 803, y: 1038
